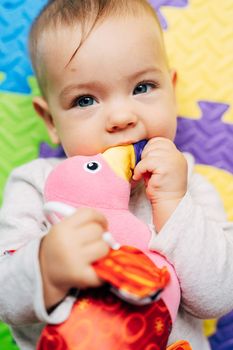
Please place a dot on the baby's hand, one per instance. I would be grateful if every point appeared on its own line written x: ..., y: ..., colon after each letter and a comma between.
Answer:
x: 68, y: 251
x: 164, y: 170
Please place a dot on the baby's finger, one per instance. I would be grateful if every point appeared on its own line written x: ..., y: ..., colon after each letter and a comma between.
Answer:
x: 144, y: 168
x: 159, y: 140
x: 156, y: 144
x: 89, y: 233
x: 96, y: 251
x: 110, y: 240
x: 91, y: 279
x: 95, y: 234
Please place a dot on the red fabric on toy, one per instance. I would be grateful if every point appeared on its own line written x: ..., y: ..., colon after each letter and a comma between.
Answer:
x: 101, y: 321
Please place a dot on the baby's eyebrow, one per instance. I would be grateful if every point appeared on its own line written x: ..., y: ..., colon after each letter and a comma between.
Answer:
x: 100, y: 85
x: 145, y: 71
x: 70, y: 89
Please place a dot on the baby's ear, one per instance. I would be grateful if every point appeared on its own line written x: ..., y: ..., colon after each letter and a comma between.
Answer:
x: 42, y: 109
x: 173, y: 74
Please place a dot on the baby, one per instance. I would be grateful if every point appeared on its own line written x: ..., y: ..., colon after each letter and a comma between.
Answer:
x: 105, y: 81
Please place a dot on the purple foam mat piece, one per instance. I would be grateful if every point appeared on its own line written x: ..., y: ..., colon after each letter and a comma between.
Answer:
x: 159, y: 4
x: 209, y: 139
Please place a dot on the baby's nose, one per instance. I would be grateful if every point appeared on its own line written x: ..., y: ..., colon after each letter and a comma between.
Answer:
x: 121, y: 121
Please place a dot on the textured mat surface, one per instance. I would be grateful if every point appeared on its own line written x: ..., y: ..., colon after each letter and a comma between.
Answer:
x: 15, y: 20
x: 199, y: 37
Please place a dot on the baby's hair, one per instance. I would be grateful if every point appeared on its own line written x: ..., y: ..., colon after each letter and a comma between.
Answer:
x: 72, y: 12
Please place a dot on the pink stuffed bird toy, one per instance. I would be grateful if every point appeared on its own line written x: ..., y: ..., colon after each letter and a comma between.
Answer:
x: 137, y: 306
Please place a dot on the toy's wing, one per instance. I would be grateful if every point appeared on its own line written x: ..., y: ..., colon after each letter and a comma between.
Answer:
x: 133, y: 276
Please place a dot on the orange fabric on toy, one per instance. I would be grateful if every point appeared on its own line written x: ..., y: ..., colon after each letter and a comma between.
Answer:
x: 180, y: 345
x: 141, y: 278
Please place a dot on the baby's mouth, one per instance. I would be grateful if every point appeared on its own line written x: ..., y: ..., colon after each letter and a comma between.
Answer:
x: 131, y: 142
x: 124, y: 143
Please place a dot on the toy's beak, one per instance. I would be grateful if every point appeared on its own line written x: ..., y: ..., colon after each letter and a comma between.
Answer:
x: 121, y: 160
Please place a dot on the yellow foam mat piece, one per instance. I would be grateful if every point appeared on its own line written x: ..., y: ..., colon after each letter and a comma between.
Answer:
x: 199, y: 43
x: 223, y: 182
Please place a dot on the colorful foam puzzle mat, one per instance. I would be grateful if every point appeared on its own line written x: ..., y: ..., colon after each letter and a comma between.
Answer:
x: 199, y: 40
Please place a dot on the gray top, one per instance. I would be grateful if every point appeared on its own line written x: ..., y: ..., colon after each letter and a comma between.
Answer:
x: 196, y: 239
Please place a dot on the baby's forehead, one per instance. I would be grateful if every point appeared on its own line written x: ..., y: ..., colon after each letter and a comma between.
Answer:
x: 65, y: 33
x: 60, y: 46
x: 82, y: 17
x: 56, y: 47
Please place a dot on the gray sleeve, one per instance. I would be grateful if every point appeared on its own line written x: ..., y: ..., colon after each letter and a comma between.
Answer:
x: 21, y: 215
x: 199, y: 243
x: 22, y: 225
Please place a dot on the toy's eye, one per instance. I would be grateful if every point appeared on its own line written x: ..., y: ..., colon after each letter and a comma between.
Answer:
x: 92, y: 167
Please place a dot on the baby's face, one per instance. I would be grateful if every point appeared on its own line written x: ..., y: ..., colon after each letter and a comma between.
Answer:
x: 115, y: 90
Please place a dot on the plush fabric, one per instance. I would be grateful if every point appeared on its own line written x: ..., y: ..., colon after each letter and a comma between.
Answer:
x: 102, y: 182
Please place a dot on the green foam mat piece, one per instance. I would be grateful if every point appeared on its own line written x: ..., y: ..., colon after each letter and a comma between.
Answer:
x: 21, y: 132
x: 6, y: 340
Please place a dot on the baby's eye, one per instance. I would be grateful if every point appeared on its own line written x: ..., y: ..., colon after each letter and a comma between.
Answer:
x: 84, y: 101
x: 142, y: 88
